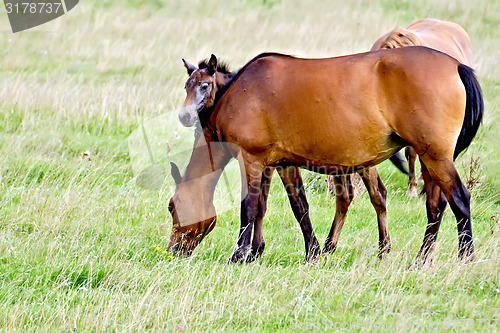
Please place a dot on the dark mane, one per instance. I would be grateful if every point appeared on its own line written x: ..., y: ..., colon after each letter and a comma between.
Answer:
x: 222, y: 66
x: 205, y: 114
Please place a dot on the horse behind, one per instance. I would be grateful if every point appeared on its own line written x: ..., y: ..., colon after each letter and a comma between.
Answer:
x: 444, y: 36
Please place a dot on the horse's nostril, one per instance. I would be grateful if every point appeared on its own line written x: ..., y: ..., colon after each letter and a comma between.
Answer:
x: 185, y: 118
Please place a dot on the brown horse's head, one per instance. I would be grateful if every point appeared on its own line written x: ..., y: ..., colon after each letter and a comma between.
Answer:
x: 201, y: 88
x: 193, y: 214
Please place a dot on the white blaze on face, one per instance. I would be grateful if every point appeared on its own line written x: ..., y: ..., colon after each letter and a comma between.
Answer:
x: 199, y: 96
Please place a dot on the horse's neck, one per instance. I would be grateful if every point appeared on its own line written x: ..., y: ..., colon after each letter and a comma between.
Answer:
x: 208, y: 160
x: 222, y: 79
x: 207, y: 132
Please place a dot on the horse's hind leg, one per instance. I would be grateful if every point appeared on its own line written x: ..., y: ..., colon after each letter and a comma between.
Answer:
x: 343, y: 196
x: 444, y: 173
x: 295, y: 189
x: 258, y: 242
x: 378, y: 196
x: 411, y: 156
x: 435, y: 205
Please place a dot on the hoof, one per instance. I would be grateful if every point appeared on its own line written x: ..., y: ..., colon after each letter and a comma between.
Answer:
x: 239, y: 256
x: 412, y: 192
x: 329, y: 248
x: 420, y: 263
x: 313, y: 253
x: 467, y: 257
x: 384, y: 250
x: 255, y: 253
x: 424, y: 258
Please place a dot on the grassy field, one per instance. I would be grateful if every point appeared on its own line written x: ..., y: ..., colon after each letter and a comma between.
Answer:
x: 82, y: 245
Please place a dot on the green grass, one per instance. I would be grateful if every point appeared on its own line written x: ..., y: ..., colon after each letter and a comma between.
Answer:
x: 82, y: 246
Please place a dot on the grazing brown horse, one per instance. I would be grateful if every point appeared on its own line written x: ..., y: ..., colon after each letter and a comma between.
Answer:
x: 447, y: 37
x: 284, y: 111
x: 201, y: 88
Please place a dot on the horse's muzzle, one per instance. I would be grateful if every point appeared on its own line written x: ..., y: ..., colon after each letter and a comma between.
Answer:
x: 188, y: 116
x: 179, y: 250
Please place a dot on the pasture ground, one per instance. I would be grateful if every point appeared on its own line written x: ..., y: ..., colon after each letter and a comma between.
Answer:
x: 82, y: 246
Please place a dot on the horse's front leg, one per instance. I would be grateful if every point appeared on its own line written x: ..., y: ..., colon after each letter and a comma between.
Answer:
x: 344, y: 194
x: 251, y: 187
x: 378, y: 196
x: 292, y: 181
x: 258, y: 242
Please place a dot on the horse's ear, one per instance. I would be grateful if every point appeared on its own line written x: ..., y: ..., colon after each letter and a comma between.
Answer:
x: 176, y: 174
x: 190, y: 68
x: 212, y: 65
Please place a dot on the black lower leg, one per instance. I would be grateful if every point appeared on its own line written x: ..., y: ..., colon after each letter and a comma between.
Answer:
x: 313, y: 248
x: 249, y: 207
x: 258, y: 242
x: 435, y: 206
x: 460, y: 204
x: 295, y: 189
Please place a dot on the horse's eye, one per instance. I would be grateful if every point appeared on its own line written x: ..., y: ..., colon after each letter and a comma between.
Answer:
x: 204, y: 86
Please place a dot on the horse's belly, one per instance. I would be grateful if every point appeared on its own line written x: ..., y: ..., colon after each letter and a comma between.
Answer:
x: 349, y: 138
x: 335, y: 155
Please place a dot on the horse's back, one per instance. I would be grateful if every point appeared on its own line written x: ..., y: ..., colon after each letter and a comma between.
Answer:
x: 444, y: 36
x: 341, y: 105
x: 279, y: 99
x: 274, y: 87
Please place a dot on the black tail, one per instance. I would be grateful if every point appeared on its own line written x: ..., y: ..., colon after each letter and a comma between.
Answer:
x: 474, y: 108
x: 399, y: 162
